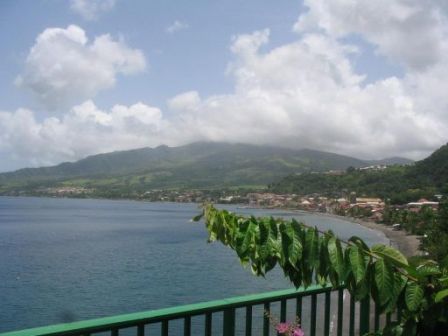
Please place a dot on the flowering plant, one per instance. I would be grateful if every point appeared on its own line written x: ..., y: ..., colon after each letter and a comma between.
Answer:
x: 285, y: 328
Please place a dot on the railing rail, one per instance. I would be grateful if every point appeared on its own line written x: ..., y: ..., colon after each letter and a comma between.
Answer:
x: 141, y: 320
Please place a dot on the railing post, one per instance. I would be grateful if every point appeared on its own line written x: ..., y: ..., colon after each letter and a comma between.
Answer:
x: 351, y: 331
x: 364, y: 319
x: 313, y: 314
x: 248, y: 320
x: 229, y: 322
x: 141, y: 330
x: 283, y: 310
x: 340, y: 311
x: 208, y: 324
x: 327, y: 313
x: 187, y: 326
x: 267, y: 308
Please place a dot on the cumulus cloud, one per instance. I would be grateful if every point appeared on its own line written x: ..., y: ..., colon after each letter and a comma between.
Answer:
x: 302, y: 94
x: 63, y: 67
x: 410, y: 32
x: 84, y: 130
x: 176, y: 26
x: 306, y: 94
x: 91, y: 9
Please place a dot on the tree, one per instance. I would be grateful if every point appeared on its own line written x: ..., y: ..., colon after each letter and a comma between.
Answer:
x: 307, y: 255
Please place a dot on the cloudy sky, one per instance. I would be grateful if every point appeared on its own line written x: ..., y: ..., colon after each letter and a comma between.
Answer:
x: 80, y: 77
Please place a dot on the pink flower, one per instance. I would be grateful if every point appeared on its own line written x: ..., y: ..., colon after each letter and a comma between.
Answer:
x: 298, y: 332
x: 282, y: 327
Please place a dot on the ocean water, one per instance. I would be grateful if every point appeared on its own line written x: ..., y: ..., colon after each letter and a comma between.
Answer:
x: 64, y: 260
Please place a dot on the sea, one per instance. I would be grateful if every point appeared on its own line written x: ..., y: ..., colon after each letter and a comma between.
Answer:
x: 64, y: 260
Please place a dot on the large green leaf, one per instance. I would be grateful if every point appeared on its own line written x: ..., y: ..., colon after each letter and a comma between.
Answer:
x: 428, y: 268
x: 390, y: 254
x: 357, y: 262
x: 336, y: 257
x: 384, y: 280
x: 291, y: 243
x: 312, y: 247
x: 440, y: 296
x: 413, y: 296
x: 247, y: 244
x: 359, y: 242
x: 400, y: 282
x: 324, y: 262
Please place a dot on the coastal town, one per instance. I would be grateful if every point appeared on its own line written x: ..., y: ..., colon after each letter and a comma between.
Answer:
x: 347, y: 204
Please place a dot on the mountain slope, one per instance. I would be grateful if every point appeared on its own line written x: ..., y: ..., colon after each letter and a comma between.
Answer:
x: 198, y: 165
x: 433, y: 170
x: 401, y: 184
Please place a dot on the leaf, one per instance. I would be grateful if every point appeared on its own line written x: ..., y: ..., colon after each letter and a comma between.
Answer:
x: 291, y: 244
x: 264, y: 246
x: 393, y: 329
x: 427, y: 269
x: 384, y: 280
x: 248, y: 240
x: 413, y: 296
x: 336, y: 256
x: 322, y: 270
x: 400, y: 282
x: 359, y: 242
x: 441, y: 295
x: 198, y: 217
x: 390, y: 254
x: 312, y: 247
x: 410, y: 328
x: 357, y: 262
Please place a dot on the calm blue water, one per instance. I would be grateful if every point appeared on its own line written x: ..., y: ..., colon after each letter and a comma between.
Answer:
x: 65, y: 259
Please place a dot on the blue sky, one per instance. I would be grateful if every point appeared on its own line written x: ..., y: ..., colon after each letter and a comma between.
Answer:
x: 84, y: 77
x: 191, y: 58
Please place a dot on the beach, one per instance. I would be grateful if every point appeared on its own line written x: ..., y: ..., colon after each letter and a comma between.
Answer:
x: 406, y: 243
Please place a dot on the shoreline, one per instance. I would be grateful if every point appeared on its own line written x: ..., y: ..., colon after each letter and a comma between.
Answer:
x: 406, y: 243
x: 401, y: 240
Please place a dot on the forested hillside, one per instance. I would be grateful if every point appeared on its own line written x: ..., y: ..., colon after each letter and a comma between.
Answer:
x: 399, y: 183
x: 198, y: 165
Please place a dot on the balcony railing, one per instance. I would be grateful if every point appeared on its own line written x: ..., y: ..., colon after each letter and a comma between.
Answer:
x: 323, y: 311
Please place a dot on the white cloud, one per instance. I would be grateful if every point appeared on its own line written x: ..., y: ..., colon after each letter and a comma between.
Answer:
x: 306, y: 94
x: 64, y: 68
x: 303, y: 94
x: 410, y: 32
x: 185, y: 101
x: 176, y: 26
x: 91, y: 9
x: 84, y: 130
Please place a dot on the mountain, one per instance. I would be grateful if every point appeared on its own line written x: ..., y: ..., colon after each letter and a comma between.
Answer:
x: 433, y: 170
x: 197, y: 165
x: 390, y: 161
x: 401, y: 184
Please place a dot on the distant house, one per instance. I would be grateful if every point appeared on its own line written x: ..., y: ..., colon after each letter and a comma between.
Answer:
x: 422, y: 202
x: 367, y: 200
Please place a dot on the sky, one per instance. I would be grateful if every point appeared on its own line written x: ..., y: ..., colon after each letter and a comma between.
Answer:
x: 362, y: 78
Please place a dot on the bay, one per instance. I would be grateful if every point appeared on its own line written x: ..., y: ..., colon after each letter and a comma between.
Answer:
x: 65, y: 260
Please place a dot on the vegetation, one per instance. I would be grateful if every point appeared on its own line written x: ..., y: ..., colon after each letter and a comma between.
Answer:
x: 399, y: 184
x: 431, y: 225
x: 194, y: 166
x: 307, y: 255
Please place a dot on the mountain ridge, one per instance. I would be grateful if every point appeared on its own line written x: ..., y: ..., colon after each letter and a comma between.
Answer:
x: 196, y: 165
x: 400, y: 184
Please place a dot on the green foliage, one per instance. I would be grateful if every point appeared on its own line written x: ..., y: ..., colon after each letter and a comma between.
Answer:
x: 303, y: 253
x: 400, y: 184
x: 198, y: 165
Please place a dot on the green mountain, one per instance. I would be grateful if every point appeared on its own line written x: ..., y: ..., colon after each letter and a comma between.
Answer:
x: 198, y: 165
x: 401, y: 184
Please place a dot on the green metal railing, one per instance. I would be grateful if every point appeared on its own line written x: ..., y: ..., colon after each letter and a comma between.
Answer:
x: 236, y: 316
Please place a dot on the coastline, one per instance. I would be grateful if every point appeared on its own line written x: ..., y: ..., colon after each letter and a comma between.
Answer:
x: 406, y: 243
x: 401, y: 240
